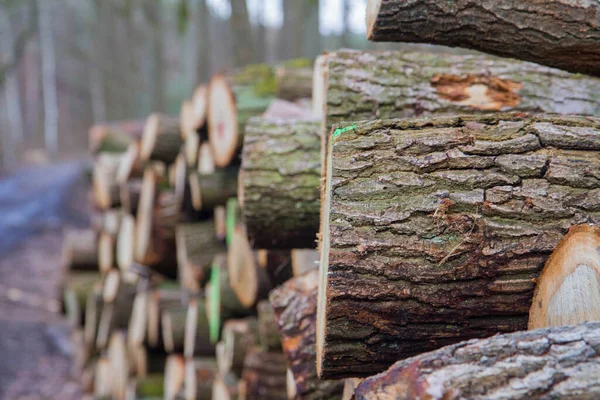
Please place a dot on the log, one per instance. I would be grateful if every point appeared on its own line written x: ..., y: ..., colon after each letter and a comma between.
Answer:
x: 221, y: 301
x: 119, y: 367
x: 78, y: 286
x: 220, y: 217
x: 104, y: 181
x: 174, y: 376
x: 264, y: 376
x: 568, y: 290
x: 209, y: 191
x: 93, y: 310
x: 554, y: 363
x: 161, y: 298
x: 231, y: 102
x: 294, y: 81
x: 150, y: 386
x: 191, y: 149
x: 199, y: 108
x: 304, y: 260
x: 206, y: 162
x: 549, y: 32
x: 239, y: 337
x: 268, y: 332
x: 225, y: 388
x: 125, y: 243
x: 199, y: 376
x: 249, y: 281
x: 295, y: 307
x: 102, y: 378
x: 286, y: 110
x: 447, y: 231
x: 197, y: 246
x: 280, y: 180
x: 161, y: 140
x: 136, y: 330
x: 173, y: 328
x: 130, y: 165
x: 106, y: 252
x: 392, y: 84
x: 80, y: 250
x: 197, y: 335
x: 350, y: 385
x: 186, y: 117
x: 129, y: 193
x: 114, y: 136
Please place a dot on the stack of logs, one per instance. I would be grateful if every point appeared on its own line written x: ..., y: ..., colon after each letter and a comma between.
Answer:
x: 436, y: 187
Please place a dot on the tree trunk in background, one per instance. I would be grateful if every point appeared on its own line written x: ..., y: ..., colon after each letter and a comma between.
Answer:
x: 11, y: 145
x: 154, y: 15
x: 96, y: 79
x: 201, y: 23
x: 346, y: 33
x: 243, y: 49
x: 311, y: 33
x: 48, y: 77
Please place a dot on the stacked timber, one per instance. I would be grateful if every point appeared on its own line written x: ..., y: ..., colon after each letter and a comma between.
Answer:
x: 165, y: 287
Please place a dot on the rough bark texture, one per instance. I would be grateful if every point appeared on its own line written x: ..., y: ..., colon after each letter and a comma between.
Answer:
x: 557, y: 363
x: 295, y: 306
x: 209, y: 191
x: 294, y: 82
x: 560, y: 33
x: 436, y: 229
x: 239, y: 336
x: 268, y: 332
x: 392, y: 84
x: 264, y: 376
x: 281, y: 176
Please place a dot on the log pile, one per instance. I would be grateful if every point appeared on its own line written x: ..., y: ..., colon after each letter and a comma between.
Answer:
x: 165, y: 287
x: 451, y: 198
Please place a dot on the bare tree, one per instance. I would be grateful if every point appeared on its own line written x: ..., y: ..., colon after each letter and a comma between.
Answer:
x: 48, y: 77
x: 242, y: 33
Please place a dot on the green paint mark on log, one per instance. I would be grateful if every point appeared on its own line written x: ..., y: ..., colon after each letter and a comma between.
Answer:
x: 232, y: 205
x: 339, y: 131
x: 214, y: 320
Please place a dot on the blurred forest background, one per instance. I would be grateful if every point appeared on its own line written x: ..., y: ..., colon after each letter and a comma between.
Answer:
x: 67, y: 64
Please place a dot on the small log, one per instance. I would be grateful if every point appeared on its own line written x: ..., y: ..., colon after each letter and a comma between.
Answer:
x: 462, y: 214
x: 125, y: 243
x: 102, y: 378
x: 119, y: 367
x: 548, y: 33
x: 239, y: 336
x: 197, y: 334
x: 366, y: 86
x: 209, y: 191
x: 295, y: 307
x: 281, y: 173
x: 174, y: 376
x: 199, y: 107
x: 277, y: 263
x: 114, y: 137
x: 196, y: 246
x: 78, y: 286
x: 220, y: 217
x: 294, y: 81
x: 161, y: 140
x: 80, y: 250
x: 206, y: 162
x: 568, y: 289
x: 264, y: 376
x: 173, y: 328
x: 231, y: 102
x: 129, y: 193
x: 130, y: 165
x: 557, y: 363
x: 93, y: 311
x: 162, y: 298
x: 221, y: 301
x: 350, y: 385
x: 199, y: 376
x: 286, y: 110
x: 191, y: 149
x: 106, y: 252
x: 104, y: 181
x: 249, y: 282
x: 186, y: 120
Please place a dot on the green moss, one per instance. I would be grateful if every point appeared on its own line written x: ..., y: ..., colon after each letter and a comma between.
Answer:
x: 298, y: 63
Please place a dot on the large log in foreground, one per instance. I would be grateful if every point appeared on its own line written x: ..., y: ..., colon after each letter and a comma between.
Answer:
x: 556, y: 363
x: 560, y: 33
x: 391, y: 84
x: 280, y: 181
x: 295, y: 306
x: 445, y: 223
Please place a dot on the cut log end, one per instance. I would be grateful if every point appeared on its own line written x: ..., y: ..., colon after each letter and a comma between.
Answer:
x: 144, y: 215
x: 199, y: 106
x: 319, y: 86
x: 206, y: 162
x: 242, y: 268
x: 149, y: 136
x: 186, y: 119
x: 223, y: 132
x: 174, y: 376
x: 568, y: 290
x: 125, y: 243
x: 323, y: 266
x: 191, y: 146
x: 373, y: 7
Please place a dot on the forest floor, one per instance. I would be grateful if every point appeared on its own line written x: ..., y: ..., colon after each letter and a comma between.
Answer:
x: 36, y: 347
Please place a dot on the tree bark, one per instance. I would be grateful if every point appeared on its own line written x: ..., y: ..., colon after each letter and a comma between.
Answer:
x: 558, y: 33
x: 556, y: 363
x: 239, y: 336
x: 280, y: 176
x: 294, y: 82
x: 446, y: 223
x: 268, y: 332
x: 208, y: 191
x: 391, y: 84
x: 264, y: 376
x: 80, y: 250
x: 161, y: 139
x: 114, y: 136
x: 295, y: 306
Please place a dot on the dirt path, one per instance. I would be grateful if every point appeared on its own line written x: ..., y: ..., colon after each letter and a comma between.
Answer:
x: 36, y: 350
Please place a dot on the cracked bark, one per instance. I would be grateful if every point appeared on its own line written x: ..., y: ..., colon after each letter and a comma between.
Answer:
x: 435, y: 230
x: 560, y: 33
x: 557, y: 363
x: 364, y: 86
x: 280, y: 176
x: 295, y: 306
